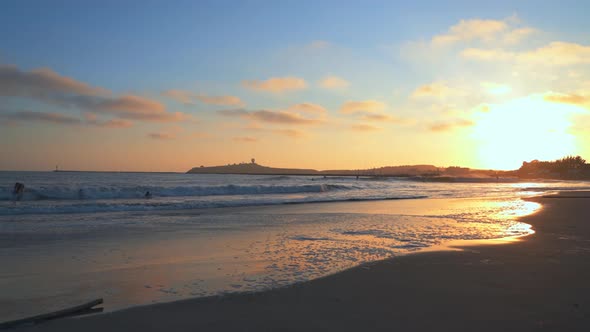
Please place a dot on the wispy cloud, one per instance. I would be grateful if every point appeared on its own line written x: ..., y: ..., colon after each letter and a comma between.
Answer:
x: 363, y: 127
x: 41, y: 82
x: 334, y: 82
x: 568, y: 98
x: 190, y: 98
x: 308, y: 108
x: 298, y: 114
x: 276, y: 84
x: 556, y: 53
x: 370, y: 106
x: 467, y: 30
x: 63, y: 119
x: 46, y: 86
x: 181, y: 96
x: 448, y: 126
x: 162, y: 136
x: 294, y: 133
x: 438, y: 90
x: 27, y: 116
x: 245, y: 139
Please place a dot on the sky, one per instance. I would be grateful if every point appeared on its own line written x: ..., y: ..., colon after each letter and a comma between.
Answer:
x: 170, y: 85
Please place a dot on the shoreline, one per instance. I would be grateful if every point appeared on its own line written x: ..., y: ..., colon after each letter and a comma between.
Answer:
x: 515, y: 286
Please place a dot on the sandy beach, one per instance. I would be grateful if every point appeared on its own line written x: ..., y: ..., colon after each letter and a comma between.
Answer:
x: 539, y: 282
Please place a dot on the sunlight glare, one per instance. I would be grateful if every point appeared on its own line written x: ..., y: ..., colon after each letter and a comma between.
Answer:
x: 522, y: 130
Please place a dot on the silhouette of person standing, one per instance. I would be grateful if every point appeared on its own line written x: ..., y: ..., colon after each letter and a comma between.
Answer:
x: 18, y: 191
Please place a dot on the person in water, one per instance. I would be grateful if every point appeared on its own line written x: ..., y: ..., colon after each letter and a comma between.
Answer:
x: 18, y: 191
x: 148, y: 194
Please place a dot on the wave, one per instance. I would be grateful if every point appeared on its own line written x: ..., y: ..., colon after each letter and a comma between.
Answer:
x: 102, y: 192
x: 47, y: 207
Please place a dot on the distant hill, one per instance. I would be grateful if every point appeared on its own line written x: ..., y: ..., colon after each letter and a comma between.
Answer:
x: 251, y: 168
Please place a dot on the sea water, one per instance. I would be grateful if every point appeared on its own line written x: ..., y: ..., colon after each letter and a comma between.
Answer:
x: 75, y: 236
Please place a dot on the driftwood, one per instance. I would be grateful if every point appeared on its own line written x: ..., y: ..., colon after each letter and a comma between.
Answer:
x: 82, y: 309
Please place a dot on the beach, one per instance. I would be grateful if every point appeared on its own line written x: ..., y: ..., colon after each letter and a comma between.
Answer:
x: 537, y: 282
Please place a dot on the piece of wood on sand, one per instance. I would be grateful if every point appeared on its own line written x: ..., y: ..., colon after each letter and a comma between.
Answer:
x: 82, y: 309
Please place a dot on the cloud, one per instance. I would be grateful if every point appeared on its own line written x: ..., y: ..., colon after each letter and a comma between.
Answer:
x: 517, y: 35
x: 438, y: 90
x: 221, y: 100
x: 63, y: 119
x: 487, y: 54
x: 572, y: 99
x: 473, y: 29
x: 47, y: 86
x: 448, y: 126
x: 136, y: 108
x: 161, y: 136
x: 234, y: 113
x: 289, y: 132
x: 370, y: 106
x: 364, y: 127
x: 275, y: 117
x: 505, y: 31
x: 190, y: 98
x: 276, y: 84
x: 308, y: 108
x: 41, y: 82
x: 556, y: 53
x: 379, y: 117
x: 334, y: 82
x: 181, y: 96
x: 280, y: 117
x: 28, y: 116
x: 245, y: 139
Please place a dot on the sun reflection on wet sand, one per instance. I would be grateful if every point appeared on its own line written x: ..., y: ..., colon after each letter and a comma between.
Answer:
x: 251, y: 249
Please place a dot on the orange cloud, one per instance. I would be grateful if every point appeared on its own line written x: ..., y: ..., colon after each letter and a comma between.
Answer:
x: 467, y: 30
x: 289, y: 132
x: 276, y: 117
x: 162, y: 136
x: 447, y: 126
x: 437, y: 89
x: 572, y: 98
x: 371, y: 106
x: 308, y: 108
x: 364, y: 127
x: 334, y: 82
x: 189, y: 98
x: 555, y: 53
x: 220, y: 100
x: 181, y: 96
x: 138, y: 108
x: 276, y: 84
x: 245, y: 139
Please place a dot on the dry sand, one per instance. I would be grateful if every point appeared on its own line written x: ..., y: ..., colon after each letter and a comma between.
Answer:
x: 541, y: 282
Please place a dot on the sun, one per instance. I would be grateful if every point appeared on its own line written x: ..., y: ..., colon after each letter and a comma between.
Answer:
x: 522, y: 130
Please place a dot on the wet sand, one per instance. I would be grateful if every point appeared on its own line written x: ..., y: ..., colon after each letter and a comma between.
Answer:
x: 541, y: 282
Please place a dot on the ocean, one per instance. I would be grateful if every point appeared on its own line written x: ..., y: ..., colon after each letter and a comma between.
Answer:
x: 75, y: 236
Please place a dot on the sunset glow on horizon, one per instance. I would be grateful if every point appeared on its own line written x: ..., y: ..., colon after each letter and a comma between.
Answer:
x: 329, y: 85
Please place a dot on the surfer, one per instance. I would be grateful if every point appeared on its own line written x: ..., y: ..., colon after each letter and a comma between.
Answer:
x: 18, y: 191
x: 148, y: 194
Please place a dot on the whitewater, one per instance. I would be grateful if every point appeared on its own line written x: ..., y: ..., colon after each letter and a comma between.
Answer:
x: 80, y: 235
